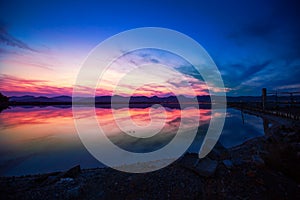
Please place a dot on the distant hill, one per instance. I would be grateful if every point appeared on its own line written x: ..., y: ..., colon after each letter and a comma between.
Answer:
x: 143, y: 99
x: 106, y: 99
x: 28, y: 98
x: 4, y: 103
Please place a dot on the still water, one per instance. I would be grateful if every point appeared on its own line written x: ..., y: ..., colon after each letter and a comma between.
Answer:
x: 44, y: 139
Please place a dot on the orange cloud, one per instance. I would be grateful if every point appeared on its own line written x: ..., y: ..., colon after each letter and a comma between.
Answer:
x: 15, y: 86
x: 11, y: 85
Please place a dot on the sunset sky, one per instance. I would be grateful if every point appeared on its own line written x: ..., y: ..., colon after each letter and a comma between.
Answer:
x: 254, y: 44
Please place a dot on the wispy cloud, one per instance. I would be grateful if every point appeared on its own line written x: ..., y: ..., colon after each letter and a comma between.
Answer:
x: 9, y: 40
x: 292, y: 86
x: 272, y: 75
x: 15, y: 86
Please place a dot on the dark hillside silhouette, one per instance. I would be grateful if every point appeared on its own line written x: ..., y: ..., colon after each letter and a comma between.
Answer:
x: 3, y: 102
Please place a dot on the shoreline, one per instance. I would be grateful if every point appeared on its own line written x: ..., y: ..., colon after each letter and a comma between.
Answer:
x: 261, y: 168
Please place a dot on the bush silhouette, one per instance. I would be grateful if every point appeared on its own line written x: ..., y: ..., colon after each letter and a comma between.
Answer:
x: 3, y: 99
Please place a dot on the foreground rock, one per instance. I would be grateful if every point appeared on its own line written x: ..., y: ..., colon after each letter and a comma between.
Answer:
x: 206, y: 167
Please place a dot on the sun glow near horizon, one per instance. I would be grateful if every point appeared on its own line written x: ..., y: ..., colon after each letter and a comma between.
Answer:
x: 163, y: 80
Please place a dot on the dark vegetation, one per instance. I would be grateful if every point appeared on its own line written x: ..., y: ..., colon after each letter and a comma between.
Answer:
x: 4, y: 102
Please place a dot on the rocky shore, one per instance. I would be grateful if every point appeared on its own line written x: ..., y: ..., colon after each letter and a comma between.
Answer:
x: 262, y: 168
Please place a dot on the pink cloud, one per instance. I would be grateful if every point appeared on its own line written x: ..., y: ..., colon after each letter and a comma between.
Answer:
x: 15, y: 86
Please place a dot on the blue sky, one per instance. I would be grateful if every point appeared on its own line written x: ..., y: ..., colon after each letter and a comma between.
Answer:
x: 254, y: 44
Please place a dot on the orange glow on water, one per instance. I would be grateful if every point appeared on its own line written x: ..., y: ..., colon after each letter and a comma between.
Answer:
x: 24, y: 123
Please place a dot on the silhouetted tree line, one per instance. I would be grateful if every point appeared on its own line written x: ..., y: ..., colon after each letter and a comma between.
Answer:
x: 3, y: 99
x: 3, y: 102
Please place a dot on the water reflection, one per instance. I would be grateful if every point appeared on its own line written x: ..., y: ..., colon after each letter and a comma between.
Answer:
x: 240, y: 128
x: 44, y: 139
